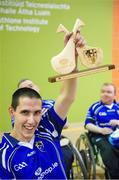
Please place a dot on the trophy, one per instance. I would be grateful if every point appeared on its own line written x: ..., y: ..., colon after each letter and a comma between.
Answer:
x: 65, y: 64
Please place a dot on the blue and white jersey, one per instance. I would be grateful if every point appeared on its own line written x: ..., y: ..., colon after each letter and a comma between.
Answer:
x: 48, y: 103
x: 100, y: 114
x: 38, y: 159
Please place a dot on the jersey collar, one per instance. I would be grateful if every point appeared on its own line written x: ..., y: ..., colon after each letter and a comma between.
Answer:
x: 114, y: 102
x: 11, y: 140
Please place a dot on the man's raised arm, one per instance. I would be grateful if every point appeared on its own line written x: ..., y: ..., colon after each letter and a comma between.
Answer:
x: 68, y: 91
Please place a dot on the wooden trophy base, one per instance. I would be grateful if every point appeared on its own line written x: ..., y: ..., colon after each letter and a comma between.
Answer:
x: 81, y: 73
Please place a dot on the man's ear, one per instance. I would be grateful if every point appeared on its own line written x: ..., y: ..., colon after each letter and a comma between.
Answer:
x: 115, y: 97
x: 11, y: 111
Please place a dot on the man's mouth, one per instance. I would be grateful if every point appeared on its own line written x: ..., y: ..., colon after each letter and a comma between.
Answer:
x: 29, y: 127
x: 105, y: 97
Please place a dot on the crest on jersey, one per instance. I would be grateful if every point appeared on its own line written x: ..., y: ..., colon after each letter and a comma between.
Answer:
x: 40, y: 146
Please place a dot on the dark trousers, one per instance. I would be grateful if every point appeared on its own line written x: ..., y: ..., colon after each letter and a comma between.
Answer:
x: 109, y: 155
x: 68, y: 159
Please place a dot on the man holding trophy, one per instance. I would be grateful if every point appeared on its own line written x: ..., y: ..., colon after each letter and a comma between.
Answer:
x: 26, y: 152
x: 29, y: 152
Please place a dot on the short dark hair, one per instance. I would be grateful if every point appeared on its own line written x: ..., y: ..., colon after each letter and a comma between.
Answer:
x: 21, y: 81
x: 24, y: 92
x: 110, y: 84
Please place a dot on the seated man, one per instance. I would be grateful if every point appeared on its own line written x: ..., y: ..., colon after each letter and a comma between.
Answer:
x: 102, y: 119
x: 47, y: 104
x: 31, y: 151
x: 28, y: 153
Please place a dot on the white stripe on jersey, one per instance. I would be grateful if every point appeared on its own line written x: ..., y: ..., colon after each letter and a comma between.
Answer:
x: 90, y: 118
x: 42, y: 134
x: 95, y: 105
x: 58, y: 156
x: 98, y: 109
x: 117, y: 105
x: 10, y: 157
x: 8, y: 141
x: 3, y: 146
x: 54, y: 133
x: 3, y: 156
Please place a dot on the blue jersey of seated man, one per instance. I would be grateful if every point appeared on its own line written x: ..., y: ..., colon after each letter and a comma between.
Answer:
x: 41, y: 158
x: 100, y: 114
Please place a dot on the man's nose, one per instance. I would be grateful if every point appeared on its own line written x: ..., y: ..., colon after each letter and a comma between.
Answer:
x: 31, y: 119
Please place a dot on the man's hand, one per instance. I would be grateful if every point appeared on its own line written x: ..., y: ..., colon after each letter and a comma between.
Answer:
x: 114, y: 122
x: 78, y: 40
x: 105, y: 131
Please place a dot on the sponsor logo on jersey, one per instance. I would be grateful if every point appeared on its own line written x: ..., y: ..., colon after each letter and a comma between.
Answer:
x: 41, y: 174
x: 20, y: 166
x: 102, y: 114
x: 38, y: 171
x: 31, y: 153
x: 111, y: 110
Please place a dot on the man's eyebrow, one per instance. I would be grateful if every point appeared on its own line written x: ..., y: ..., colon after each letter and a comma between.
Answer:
x: 24, y: 110
x: 40, y: 110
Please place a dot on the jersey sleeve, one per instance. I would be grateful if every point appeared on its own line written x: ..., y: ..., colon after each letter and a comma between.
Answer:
x: 90, y: 118
x: 47, y: 104
x: 4, y: 163
x: 52, y: 123
x: 56, y: 120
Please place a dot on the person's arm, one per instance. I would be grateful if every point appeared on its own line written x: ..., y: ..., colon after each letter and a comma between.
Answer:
x: 90, y: 123
x: 66, y: 98
x: 68, y: 91
x: 95, y: 129
x: 114, y: 122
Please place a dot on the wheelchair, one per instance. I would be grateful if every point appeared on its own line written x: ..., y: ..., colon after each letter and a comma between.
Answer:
x: 90, y: 155
x: 77, y: 169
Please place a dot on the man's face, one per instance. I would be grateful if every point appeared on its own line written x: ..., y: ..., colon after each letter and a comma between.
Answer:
x: 27, y: 117
x: 29, y: 84
x: 107, y: 94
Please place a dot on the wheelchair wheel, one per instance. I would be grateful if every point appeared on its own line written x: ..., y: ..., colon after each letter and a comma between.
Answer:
x: 84, y: 147
x: 78, y: 170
